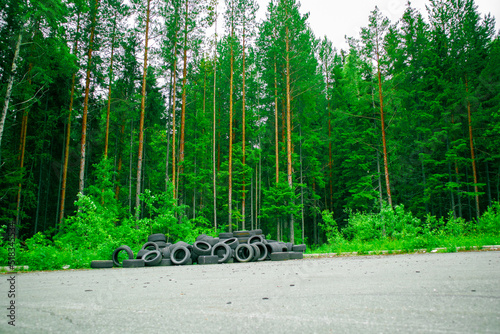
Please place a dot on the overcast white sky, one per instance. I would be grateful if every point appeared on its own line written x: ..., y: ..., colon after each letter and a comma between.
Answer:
x: 338, y: 18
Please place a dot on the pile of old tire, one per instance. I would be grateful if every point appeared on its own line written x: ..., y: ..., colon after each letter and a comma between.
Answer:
x: 238, y: 246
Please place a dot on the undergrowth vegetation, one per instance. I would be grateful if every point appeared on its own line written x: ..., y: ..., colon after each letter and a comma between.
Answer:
x: 397, y: 229
x: 100, y: 227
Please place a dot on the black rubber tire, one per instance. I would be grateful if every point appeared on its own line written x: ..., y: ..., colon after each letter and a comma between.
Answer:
x: 208, y: 259
x: 201, y: 237
x: 238, y: 234
x: 296, y: 255
x: 212, y: 241
x: 117, y: 251
x: 299, y: 248
x: 255, y: 238
x: 280, y: 256
x: 243, y: 240
x: 223, y: 252
x: 256, y: 231
x: 194, y: 257
x: 150, y: 245
x: 101, y: 264
x: 165, y: 263
x: 289, y: 246
x: 157, y: 237
x: 161, y: 244
x: 141, y: 253
x: 275, y: 248
x: 135, y: 263
x: 180, y: 255
x: 225, y: 235
x: 244, y: 253
x: 232, y: 242
x: 285, y: 247
x: 271, y: 241
x: 256, y: 252
x: 180, y: 243
x: 152, y: 258
x: 263, y: 250
x: 165, y: 252
x: 202, y: 247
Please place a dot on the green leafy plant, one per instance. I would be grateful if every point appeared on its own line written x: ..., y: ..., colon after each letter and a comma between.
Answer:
x: 163, y: 212
x: 330, y: 228
x: 490, y: 220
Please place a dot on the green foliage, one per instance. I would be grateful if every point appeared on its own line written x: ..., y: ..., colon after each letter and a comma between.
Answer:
x: 489, y: 223
x: 280, y: 202
x: 400, y: 224
x: 397, y: 229
x: 330, y: 228
x: 163, y: 212
x: 392, y: 223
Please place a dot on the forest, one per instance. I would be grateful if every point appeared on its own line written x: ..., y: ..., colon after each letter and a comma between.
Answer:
x: 186, y: 116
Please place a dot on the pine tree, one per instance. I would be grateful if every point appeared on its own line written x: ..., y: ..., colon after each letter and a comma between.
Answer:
x: 373, y: 39
x: 143, y: 110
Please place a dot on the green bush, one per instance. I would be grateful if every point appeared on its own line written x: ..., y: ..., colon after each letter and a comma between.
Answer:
x: 330, y: 228
x: 391, y: 223
x: 490, y: 221
x: 163, y: 213
x: 42, y: 254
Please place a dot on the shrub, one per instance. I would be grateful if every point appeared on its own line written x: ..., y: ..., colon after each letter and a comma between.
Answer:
x: 392, y: 223
x: 330, y: 227
x: 490, y: 221
x: 163, y: 213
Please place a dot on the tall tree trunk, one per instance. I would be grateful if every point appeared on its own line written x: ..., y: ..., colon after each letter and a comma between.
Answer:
x: 302, y: 188
x: 231, y: 78
x: 22, y: 149
x: 472, y: 153
x: 214, y: 175
x: 173, y: 118
x: 22, y: 146
x: 379, y: 173
x: 452, y: 195
x: 68, y: 132
x: 130, y: 167
x: 184, y: 80
x: 256, y: 195
x: 141, y: 124
x: 86, y: 101
x: 40, y: 185
x: 458, y: 194
x: 251, y: 202
x: 243, y: 128
x: 218, y: 137
x: 109, y: 89
x: 488, y: 183
x: 276, y: 130
x: 330, y: 159
x: 259, y: 189
x: 457, y: 175
x: 382, y: 122
x: 289, y: 128
x: 120, y: 160
x: 8, y: 92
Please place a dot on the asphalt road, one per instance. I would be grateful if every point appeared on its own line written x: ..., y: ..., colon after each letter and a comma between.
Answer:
x: 420, y: 293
